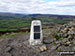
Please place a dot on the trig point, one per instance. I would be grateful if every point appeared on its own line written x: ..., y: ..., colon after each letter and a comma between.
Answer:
x: 36, y: 33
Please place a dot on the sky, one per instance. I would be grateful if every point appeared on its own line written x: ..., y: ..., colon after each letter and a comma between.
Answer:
x: 62, y: 7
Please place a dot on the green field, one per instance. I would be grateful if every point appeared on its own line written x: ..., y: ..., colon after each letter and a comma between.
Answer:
x: 14, y: 23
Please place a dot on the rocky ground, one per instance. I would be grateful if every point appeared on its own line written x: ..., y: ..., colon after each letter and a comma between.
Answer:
x: 19, y: 46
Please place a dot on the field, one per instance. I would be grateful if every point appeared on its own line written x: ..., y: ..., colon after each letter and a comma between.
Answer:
x: 13, y: 23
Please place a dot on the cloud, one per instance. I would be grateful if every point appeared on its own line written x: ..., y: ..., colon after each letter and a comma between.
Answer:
x: 38, y: 6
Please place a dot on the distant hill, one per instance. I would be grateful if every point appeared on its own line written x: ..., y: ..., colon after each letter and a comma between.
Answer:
x: 13, y: 15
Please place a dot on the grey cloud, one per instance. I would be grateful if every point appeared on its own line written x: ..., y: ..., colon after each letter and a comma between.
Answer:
x: 38, y: 6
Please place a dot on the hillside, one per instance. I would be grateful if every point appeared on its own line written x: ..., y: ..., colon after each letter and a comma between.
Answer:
x: 14, y: 21
x: 16, y: 15
x: 58, y: 35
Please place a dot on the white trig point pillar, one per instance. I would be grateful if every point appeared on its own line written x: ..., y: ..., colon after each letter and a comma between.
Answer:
x: 36, y: 33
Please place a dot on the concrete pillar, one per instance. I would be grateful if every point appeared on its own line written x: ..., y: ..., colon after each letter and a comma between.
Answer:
x: 36, y: 33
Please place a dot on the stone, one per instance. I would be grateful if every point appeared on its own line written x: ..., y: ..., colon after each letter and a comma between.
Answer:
x: 64, y: 48
x: 48, y: 41
x: 71, y: 45
x: 71, y: 32
x: 57, y: 42
x: 73, y: 49
x: 53, y: 48
x: 66, y: 29
x: 8, y: 49
x: 73, y: 42
x: 65, y: 35
x: 69, y: 36
x: 68, y: 42
x: 54, y: 39
x: 7, y: 33
x: 43, y: 48
x: 60, y: 34
x: 1, y: 40
x: 7, y: 54
x: 64, y: 40
x: 71, y: 29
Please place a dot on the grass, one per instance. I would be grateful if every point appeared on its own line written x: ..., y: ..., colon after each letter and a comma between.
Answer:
x: 54, y: 34
x: 17, y: 23
x: 10, y: 35
x: 5, y: 29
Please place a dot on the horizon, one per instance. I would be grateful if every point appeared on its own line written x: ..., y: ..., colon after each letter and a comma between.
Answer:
x: 55, y: 7
x: 35, y: 13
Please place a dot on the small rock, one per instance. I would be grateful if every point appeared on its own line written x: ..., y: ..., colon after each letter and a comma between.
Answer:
x: 70, y: 45
x: 53, y: 48
x: 74, y: 42
x: 1, y: 40
x: 65, y: 35
x: 57, y: 42
x: 7, y: 54
x: 73, y: 49
x: 67, y: 43
x: 64, y: 31
x: 8, y: 49
x: 43, y: 48
x: 69, y: 36
x: 71, y: 29
x: 54, y: 39
x: 64, y: 40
